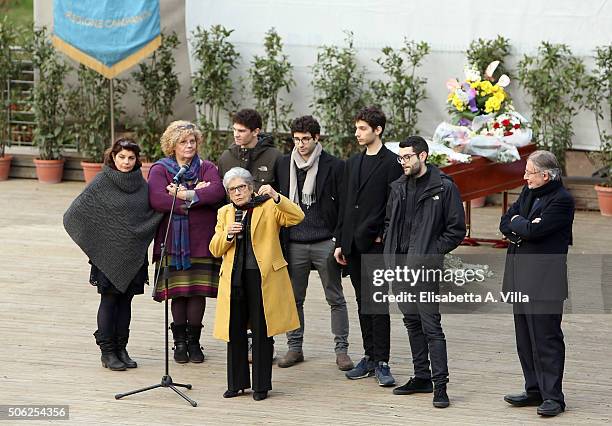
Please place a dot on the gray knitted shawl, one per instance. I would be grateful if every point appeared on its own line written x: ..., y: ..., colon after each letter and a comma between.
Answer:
x: 113, y: 223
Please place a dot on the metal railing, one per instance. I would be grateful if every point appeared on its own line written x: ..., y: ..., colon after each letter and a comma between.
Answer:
x: 19, y: 90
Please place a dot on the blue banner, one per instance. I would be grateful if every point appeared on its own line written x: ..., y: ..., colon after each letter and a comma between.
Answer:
x: 108, y: 36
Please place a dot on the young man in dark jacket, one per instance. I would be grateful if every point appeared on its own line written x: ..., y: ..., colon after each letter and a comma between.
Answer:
x: 539, y: 228
x: 312, y: 178
x: 367, y: 176
x: 252, y: 150
x: 424, y: 221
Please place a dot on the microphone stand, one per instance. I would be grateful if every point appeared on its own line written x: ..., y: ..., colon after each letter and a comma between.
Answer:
x: 166, y: 381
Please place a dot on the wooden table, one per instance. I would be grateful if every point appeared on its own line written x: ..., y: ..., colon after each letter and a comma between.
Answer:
x: 483, y: 177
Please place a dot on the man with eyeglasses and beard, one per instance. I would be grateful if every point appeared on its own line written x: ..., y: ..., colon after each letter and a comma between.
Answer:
x: 424, y: 221
x: 312, y: 178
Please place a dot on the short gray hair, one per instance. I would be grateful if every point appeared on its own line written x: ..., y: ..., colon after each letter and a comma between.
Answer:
x: 237, y: 172
x: 545, y: 161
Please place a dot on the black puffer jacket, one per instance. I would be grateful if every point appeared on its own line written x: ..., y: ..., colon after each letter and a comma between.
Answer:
x: 439, y: 221
x: 259, y: 160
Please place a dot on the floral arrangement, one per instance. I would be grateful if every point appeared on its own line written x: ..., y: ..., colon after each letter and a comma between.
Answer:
x: 506, y: 124
x: 476, y: 96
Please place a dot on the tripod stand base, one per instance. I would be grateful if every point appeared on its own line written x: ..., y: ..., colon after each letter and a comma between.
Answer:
x: 166, y: 382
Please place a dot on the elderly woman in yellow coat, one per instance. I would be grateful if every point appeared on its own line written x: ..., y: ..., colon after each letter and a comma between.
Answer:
x: 254, y: 287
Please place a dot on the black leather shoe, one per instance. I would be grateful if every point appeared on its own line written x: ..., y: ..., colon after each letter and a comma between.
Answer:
x: 524, y: 399
x: 550, y: 408
x: 232, y: 394
x: 414, y: 385
x: 260, y: 396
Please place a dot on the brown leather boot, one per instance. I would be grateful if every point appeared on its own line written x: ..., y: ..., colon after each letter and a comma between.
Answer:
x: 344, y: 362
x: 290, y: 359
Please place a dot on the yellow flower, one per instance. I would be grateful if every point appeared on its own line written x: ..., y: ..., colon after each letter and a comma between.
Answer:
x: 458, y: 103
x: 501, y: 95
x: 493, y: 104
x: 486, y: 87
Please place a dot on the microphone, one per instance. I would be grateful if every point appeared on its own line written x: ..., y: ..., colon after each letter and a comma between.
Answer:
x: 180, y: 173
x: 238, y: 218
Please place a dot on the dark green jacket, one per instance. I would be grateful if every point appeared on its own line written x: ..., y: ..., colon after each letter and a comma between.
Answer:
x: 260, y: 160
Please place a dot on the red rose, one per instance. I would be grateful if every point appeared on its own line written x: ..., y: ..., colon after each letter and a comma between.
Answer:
x: 506, y: 122
x: 496, y: 125
x: 508, y: 133
x: 517, y: 126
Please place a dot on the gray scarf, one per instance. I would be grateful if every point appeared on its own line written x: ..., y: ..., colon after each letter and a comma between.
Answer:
x: 311, y: 167
x: 113, y: 223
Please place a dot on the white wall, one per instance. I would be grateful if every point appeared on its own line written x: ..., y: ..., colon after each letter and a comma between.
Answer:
x: 448, y: 26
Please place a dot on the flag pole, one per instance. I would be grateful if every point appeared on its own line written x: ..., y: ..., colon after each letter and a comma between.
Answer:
x: 112, y: 112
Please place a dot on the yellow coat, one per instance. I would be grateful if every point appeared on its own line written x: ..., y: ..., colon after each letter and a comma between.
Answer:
x: 278, y: 300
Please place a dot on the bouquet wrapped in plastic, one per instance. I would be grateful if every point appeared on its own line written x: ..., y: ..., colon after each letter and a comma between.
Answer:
x: 484, y: 122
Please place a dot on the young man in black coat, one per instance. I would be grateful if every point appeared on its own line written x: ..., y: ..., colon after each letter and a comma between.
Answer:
x: 366, y: 180
x: 312, y: 178
x: 539, y: 228
x: 424, y: 221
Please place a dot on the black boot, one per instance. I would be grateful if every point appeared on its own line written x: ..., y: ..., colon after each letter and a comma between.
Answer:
x: 107, y: 347
x: 120, y: 344
x: 179, y: 333
x: 193, y: 343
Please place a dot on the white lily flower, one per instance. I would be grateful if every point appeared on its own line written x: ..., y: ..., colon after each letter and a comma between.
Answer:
x: 491, y: 69
x: 503, y: 81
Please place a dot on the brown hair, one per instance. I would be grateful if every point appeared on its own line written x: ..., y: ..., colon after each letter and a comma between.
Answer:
x: 120, y: 144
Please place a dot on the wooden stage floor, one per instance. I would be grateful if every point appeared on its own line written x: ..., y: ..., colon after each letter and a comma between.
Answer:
x: 48, y: 354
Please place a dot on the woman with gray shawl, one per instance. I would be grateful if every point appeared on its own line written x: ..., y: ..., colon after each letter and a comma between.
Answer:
x: 113, y: 223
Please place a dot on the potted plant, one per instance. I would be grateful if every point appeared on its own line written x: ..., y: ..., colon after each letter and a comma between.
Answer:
x: 212, y: 87
x: 89, y: 104
x: 598, y: 99
x: 157, y: 86
x: 604, y: 190
x: 8, y: 37
x: 49, y: 105
x: 554, y: 80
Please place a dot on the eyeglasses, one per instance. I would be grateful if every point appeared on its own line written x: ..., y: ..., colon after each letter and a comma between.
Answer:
x: 185, y: 142
x: 529, y: 173
x: 237, y: 189
x: 406, y: 158
x: 188, y: 126
x: 305, y: 140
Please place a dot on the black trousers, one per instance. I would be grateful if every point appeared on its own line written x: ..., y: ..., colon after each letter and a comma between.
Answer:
x: 541, y: 349
x: 246, y: 310
x: 375, y: 327
x: 427, y: 341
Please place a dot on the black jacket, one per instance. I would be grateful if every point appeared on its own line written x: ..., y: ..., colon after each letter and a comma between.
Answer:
x: 536, y: 262
x: 439, y: 222
x: 260, y: 160
x: 328, y: 185
x: 364, y: 200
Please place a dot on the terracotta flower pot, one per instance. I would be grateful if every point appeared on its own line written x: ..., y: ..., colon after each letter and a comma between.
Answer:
x: 604, y: 195
x: 145, y: 169
x: 5, y: 166
x: 49, y: 171
x: 90, y: 170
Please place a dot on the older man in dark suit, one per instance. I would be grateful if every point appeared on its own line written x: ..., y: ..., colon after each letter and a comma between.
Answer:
x: 539, y: 228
